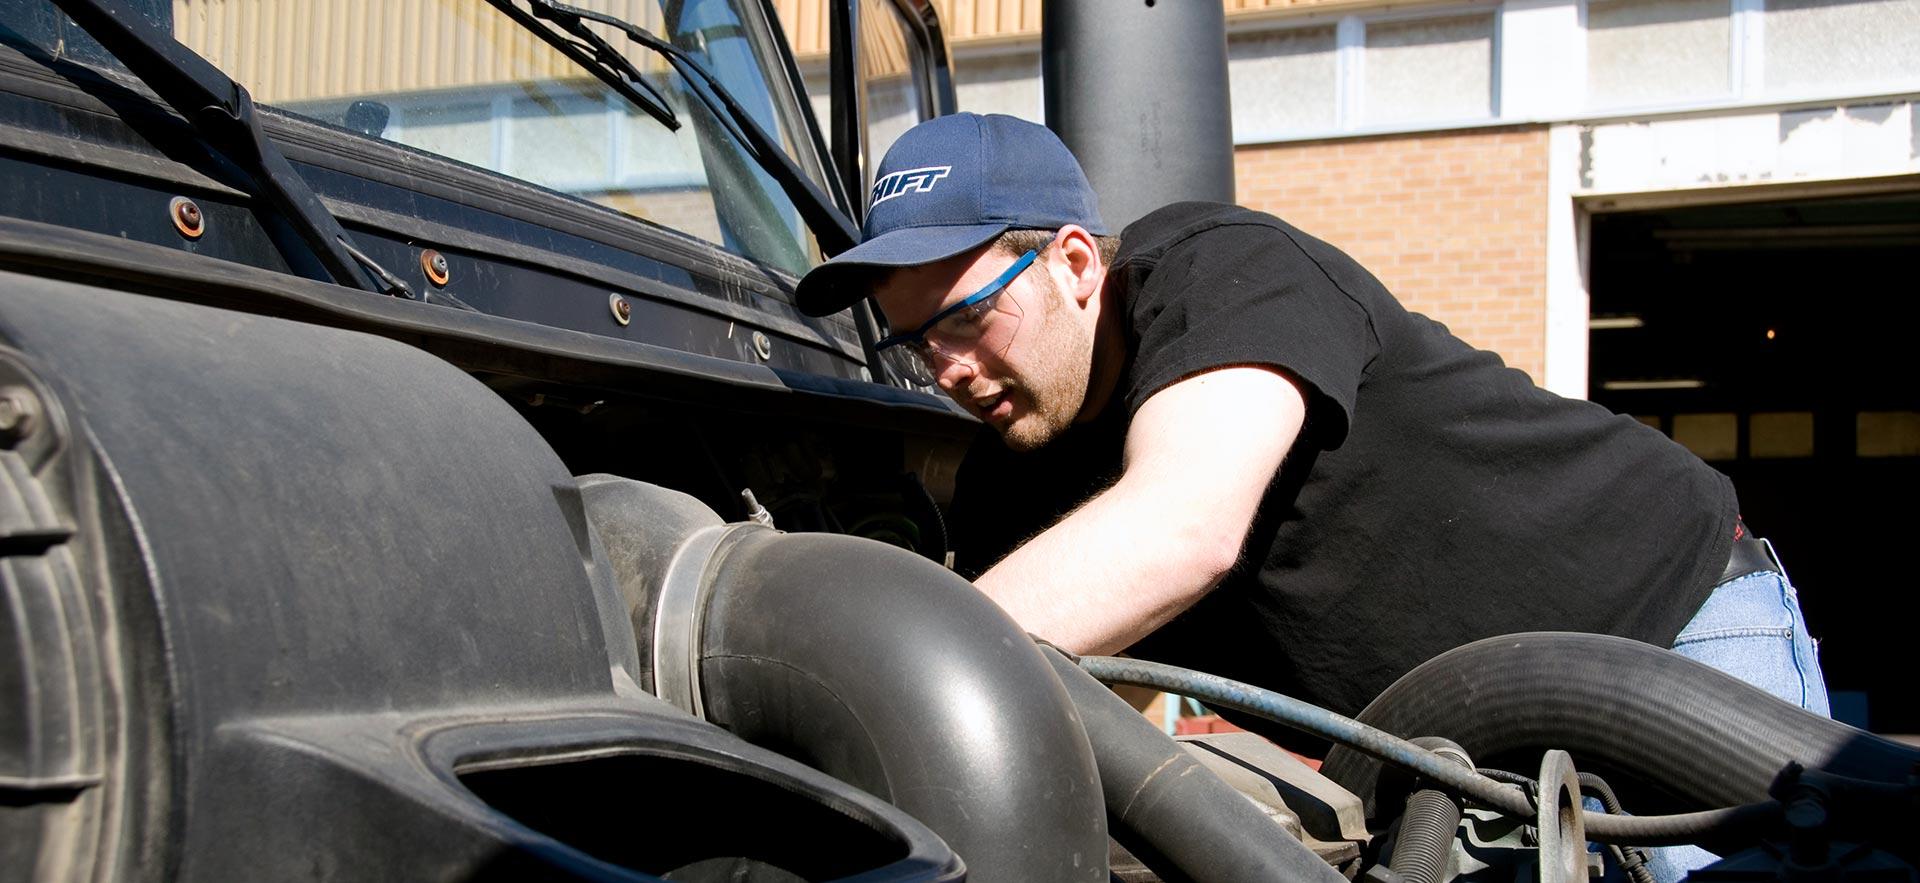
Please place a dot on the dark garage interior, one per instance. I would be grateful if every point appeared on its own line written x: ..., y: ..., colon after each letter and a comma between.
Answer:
x: 1776, y: 340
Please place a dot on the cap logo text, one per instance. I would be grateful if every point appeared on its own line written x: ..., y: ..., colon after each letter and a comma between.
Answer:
x: 908, y: 181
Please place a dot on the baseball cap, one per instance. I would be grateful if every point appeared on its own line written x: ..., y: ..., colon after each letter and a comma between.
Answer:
x: 949, y: 185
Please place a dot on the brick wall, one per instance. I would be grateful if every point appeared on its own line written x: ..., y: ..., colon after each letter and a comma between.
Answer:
x: 1454, y: 223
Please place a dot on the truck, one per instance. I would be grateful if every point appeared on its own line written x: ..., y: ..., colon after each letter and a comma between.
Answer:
x: 416, y: 468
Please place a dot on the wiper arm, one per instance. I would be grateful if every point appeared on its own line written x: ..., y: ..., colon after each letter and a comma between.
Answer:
x: 836, y: 231
x: 606, y: 63
x: 222, y: 112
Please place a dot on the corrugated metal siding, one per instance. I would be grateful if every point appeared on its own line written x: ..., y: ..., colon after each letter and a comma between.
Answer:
x: 885, y: 52
x: 969, y: 21
x: 809, y: 33
x: 1246, y: 6
x: 805, y: 22
x: 295, y: 50
x: 987, y: 19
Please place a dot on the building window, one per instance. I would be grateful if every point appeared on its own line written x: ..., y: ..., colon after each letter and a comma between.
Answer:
x: 463, y: 131
x: 1428, y: 70
x: 560, y: 139
x: 468, y: 85
x: 1386, y: 72
x: 1645, y: 52
x: 1709, y: 436
x: 1780, y: 435
x: 893, y: 107
x: 1814, y: 43
x: 1282, y: 82
x: 1887, y: 433
x: 1648, y: 53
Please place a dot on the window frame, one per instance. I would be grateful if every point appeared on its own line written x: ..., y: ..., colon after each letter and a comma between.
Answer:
x: 1747, y: 60
x: 1350, y: 44
x: 1741, y: 26
x: 1746, y: 76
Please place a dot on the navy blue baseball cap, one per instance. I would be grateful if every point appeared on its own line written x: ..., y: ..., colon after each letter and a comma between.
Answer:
x: 950, y: 185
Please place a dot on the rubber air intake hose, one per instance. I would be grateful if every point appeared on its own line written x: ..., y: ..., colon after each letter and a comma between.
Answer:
x: 1427, y: 828
x: 1632, y: 711
x: 1168, y: 809
x: 889, y: 672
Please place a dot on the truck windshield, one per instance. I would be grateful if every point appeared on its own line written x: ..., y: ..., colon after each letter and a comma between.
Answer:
x: 461, y: 79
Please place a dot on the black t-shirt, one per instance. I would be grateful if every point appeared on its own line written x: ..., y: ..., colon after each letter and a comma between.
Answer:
x: 1435, y: 496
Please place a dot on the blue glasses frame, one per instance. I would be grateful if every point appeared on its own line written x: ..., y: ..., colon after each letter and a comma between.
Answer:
x: 918, y: 336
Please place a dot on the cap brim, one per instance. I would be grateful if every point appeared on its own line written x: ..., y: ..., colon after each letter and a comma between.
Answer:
x: 837, y: 284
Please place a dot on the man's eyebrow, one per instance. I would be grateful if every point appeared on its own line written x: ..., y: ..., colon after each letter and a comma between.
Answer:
x: 915, y: 323
x: 944, y: 306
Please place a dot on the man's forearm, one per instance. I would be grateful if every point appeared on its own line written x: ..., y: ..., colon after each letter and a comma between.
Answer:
x: 1200, y: 455
x: 1110, y: 573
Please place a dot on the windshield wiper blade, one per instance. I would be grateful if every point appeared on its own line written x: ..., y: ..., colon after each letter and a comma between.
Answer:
x: 606, y: 63
x: 222, y: 113
x: 835, y: 230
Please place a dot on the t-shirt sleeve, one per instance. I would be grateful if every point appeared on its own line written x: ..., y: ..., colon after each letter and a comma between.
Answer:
x: 1247, y: 294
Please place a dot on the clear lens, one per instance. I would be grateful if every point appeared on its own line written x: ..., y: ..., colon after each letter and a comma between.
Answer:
x: 969, y: 323
x: 988, y: 326
x: 906, y: 363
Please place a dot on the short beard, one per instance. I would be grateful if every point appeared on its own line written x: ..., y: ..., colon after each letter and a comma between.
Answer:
x: 1056, y: 388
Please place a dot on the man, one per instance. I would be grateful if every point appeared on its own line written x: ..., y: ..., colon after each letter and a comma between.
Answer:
x: 1227, y: 446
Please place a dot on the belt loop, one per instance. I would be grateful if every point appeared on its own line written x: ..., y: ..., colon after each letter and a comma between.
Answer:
x: 1775, y: 557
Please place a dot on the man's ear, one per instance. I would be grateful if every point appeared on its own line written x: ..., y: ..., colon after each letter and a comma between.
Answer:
x: 1078, y: 261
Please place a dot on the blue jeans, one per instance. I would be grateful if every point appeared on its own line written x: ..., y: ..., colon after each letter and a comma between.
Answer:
x: 1751, y: 628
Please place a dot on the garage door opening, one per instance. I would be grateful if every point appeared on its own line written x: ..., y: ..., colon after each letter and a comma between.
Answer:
x: 1777, y: 340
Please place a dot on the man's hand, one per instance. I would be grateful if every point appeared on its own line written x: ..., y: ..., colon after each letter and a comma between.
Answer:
x: 1199, y: 456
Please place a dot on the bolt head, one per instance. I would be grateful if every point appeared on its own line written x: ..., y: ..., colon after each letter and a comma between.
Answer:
x: 622, y: 311
x: 1806, y: 815
x: 435, y: 265
x: 187, y: 218
x: 19, y: 411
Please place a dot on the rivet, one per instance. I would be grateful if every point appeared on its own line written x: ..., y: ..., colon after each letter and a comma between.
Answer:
x: 622, y: 311
x: 187, y: 217
x: 762, y: 346
x: 434, y: 264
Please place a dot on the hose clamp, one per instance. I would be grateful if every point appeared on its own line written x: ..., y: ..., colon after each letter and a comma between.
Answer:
x: 680, y: 617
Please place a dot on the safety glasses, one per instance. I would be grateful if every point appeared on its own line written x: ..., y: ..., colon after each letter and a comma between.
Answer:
x: 982, y: 322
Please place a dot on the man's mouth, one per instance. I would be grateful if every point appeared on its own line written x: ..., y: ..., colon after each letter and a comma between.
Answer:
x: 994, y: 407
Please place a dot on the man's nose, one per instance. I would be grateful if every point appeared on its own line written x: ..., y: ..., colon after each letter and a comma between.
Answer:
x: 950, y: 373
